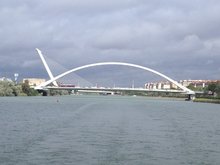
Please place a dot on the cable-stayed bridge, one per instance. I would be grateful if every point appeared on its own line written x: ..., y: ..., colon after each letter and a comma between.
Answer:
x: 52, y: 82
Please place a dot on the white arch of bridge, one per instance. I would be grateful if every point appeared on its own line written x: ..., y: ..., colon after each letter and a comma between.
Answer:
x: 188, y: 91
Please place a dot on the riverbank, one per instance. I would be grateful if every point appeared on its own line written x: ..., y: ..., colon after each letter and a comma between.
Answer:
x: 205, y: 100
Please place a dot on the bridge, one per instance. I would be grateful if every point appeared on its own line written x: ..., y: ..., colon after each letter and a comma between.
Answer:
x: 114, y: 89
x: 47, y: 85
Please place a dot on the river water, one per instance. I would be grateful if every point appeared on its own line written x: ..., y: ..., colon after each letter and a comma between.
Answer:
x: 108, y: 130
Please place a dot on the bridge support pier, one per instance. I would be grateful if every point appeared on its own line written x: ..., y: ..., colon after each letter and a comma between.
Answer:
x: 190, y: 97
x: 74, y: 91
x: 44, y: 93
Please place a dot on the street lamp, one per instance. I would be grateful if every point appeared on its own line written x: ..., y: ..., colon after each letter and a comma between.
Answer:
x: 16, y: 77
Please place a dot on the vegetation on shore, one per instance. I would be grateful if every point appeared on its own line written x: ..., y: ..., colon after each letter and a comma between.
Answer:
x: 206, y: 100
x: 211, y: 93
x: 154, y: 94
x: 8, y: 88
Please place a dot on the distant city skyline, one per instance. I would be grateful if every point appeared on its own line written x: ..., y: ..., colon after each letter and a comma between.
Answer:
x: 178, y: 38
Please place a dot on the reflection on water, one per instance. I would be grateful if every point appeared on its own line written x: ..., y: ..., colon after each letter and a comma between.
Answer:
x: 108, y: 130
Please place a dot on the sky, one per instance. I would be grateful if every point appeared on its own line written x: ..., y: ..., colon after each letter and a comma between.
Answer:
x: 180, y: 39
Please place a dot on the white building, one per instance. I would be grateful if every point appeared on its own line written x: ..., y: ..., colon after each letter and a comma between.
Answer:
x: 198, y: 83
x: 5, y: 79
x: 33, y: 81
x: 169, y: 85
x: 160, y: 85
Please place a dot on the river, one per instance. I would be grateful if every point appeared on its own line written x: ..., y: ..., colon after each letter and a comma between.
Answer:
x: 108, y: 130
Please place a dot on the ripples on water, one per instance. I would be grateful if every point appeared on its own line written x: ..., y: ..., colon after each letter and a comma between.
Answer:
x: 104, y: 130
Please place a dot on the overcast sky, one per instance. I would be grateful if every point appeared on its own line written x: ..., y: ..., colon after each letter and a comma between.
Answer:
x: 180, y: 38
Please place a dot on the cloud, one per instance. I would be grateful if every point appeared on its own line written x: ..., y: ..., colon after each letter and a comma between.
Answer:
x: 170, y: 36
x: 29, y: 64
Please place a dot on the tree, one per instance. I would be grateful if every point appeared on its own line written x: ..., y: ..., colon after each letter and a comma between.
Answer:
x: 27, y: 90
x: 8, y: 88
x: 17, y: 90
x: 218, y: 90
x: 5, y: 88
x: 59, y: 92
x: 212, y: 87
x: 191, y: 86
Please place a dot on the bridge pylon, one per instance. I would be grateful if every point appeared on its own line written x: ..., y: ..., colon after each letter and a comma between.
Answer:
x: 46, y: 66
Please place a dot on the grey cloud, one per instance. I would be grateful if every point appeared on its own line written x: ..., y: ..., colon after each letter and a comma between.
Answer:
x: 169, y: 36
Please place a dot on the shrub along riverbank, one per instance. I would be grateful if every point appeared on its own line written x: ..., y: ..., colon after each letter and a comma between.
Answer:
x: 206, y: 100
x: 211, y: 93
x: 8, y: 88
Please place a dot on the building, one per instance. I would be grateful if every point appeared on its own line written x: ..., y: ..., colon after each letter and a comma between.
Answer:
x: 160, y: 85
x: 5, y: 79
x: 33, y: 81
x: 198, y: 83
x: 169, y: 85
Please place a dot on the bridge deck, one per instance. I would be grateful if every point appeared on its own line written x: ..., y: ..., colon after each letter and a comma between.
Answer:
x: 115, y: 89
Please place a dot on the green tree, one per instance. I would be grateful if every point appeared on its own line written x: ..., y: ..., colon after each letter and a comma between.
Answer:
x: 212, y: 87
x: 6, y: 88
x: 27, y: 90
x: 59, y: 92
x: 17, y: 90
x: 191, y: 86
x: 218, y: 90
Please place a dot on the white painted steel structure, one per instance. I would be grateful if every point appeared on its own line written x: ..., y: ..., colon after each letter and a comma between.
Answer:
x: 53, y: 79
x: 46, y: 66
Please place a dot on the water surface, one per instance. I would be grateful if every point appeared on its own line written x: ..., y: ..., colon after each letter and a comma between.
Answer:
x: 108, y: 130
